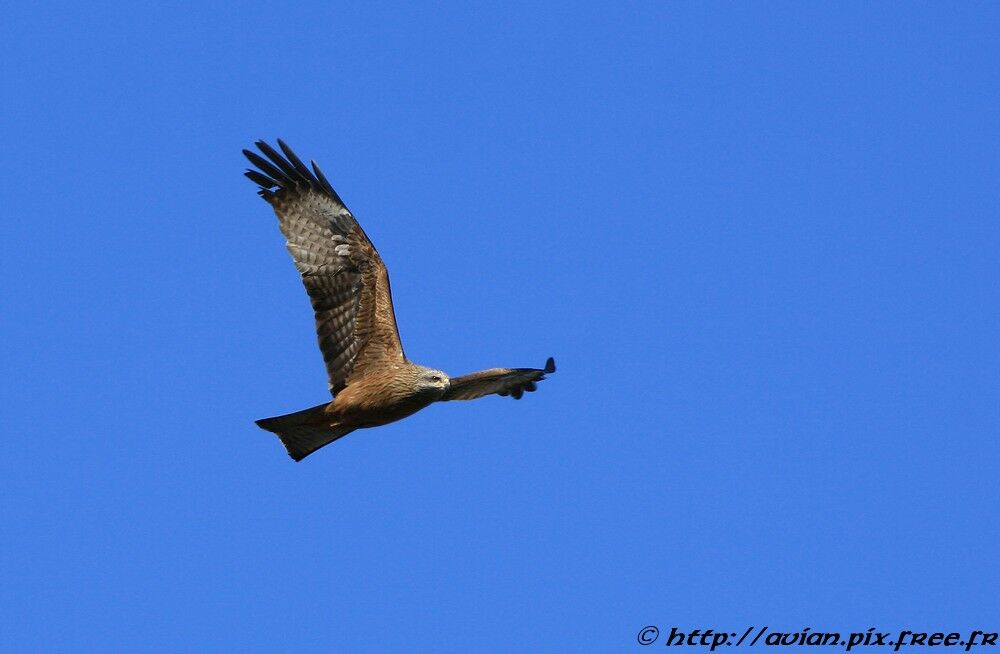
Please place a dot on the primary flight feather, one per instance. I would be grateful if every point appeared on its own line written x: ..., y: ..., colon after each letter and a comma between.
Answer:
x: 370, y: 378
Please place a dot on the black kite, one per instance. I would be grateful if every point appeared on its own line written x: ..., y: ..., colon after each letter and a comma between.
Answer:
x: 371, y: 380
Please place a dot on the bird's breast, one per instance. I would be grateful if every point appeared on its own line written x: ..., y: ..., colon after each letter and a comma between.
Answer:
x: 378, y: 400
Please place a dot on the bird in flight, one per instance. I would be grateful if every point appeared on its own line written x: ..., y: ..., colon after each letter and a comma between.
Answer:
x: 371, y: 380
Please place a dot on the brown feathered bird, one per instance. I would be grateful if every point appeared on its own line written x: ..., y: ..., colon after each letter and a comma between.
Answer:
x: 371, y: 380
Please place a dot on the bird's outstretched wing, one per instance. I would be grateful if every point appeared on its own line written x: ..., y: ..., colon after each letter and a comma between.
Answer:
x: 343, y: 274
x: 502, y: 381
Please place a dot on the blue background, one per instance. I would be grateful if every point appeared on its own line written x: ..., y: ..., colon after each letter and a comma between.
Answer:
x: 760, y: 240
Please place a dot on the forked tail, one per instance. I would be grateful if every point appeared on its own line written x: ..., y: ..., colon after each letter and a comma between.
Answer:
x: 304, y: 432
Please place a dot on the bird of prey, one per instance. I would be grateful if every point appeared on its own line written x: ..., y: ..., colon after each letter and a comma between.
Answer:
x: 371, y: 380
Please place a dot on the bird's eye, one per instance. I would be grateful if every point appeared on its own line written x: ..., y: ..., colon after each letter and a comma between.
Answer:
x: 436, y: 378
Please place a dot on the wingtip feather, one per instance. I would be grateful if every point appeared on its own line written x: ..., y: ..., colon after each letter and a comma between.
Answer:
x: 287, y: 171
x: 324, y: 182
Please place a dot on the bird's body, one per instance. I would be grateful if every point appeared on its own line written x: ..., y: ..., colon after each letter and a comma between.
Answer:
x: 376, y: 400
x: 372, y: 381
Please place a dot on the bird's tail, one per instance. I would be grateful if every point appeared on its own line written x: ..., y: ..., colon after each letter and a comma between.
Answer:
x: 304, y: 432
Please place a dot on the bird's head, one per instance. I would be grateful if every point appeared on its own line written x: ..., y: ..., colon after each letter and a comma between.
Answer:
x: 433, y: 380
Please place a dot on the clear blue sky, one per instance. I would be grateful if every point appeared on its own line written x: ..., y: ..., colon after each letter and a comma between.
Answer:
x: 759, y: 239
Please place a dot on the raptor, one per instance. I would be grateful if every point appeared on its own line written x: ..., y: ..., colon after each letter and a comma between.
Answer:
x: 371, y: 380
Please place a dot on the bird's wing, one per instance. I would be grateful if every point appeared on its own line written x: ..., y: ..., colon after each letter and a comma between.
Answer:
x: 343, y: 274
x: 502, y: 381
